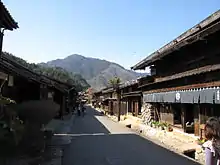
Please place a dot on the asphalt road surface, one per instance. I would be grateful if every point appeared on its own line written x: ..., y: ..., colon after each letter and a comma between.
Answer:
x: 97, y: 140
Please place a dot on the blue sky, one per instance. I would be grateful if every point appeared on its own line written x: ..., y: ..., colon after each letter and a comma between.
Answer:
x: 122, y: 31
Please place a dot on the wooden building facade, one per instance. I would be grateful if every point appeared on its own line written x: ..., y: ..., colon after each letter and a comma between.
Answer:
x: 96, y: 98
x: 132, y: 97
x: 27, y: 99
x: 109, y: 99
x: 184, y: 85
x: 22, y: 84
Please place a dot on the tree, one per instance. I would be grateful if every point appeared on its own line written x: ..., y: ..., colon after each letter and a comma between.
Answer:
x: 115, y: 83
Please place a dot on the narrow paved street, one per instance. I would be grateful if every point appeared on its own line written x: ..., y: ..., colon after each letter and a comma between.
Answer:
x: 97, y: 140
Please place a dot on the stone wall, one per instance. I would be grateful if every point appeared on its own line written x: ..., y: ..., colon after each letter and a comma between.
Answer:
x: 146, y: 113
x: 200, y: 155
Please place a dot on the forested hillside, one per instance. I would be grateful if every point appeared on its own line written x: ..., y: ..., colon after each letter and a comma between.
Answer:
x: 55, y: 72
x: 96, y: 72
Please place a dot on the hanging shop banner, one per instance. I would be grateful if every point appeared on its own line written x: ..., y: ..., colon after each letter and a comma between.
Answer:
x: 207, y: 96
x: 210, y: 96
x: 217, y: 96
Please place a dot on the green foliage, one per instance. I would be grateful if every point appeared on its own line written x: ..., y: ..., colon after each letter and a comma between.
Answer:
x: 10, y: 124
x: 200, y: 141
x: 160, y: 124
x: 57, y: 73
x: 115, y: 82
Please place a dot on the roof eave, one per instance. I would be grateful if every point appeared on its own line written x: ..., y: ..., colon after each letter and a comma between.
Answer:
x: 169, y: 47
x: 8, y: 22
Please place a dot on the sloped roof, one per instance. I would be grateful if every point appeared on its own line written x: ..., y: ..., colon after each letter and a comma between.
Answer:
x: 208, y: 26
x: 10, y: 65
x: 6, y: 20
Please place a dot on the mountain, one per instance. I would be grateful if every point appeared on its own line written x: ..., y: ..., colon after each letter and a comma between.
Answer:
x: 57, y: 73
x: 96, y: 72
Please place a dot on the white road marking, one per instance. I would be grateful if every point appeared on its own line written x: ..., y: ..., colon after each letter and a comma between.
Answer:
x: 93, y: 134
x: 114, y: 161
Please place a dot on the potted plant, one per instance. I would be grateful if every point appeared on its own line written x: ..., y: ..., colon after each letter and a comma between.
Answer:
x: 169, y: 128
x: 165, y: 125
x: 162, y: 126
x: 157, y: 124
x: 151, y: 123
x: 200, y: 141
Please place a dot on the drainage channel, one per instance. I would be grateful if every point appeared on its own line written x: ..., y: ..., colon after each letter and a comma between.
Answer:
x: 190, y: 153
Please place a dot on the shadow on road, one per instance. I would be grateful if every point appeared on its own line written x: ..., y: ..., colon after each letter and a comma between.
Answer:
x: 90, y: 148
x: 89, y: 123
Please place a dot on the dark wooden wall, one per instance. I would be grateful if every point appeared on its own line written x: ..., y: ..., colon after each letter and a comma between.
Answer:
x: 194, y: 79
x: 123, y: 107
x: 22, y: 90
x: 202, y: 53
x: 166, y: 113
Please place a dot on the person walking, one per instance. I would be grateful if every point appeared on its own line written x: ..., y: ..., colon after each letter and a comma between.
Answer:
x: 78, y: 108
x: 212, y: 145
x: 82, y: 108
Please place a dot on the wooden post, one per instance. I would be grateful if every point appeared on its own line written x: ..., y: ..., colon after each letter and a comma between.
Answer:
x: 183, y: 109
x: 1, y: 40
x: 119, y: 104
x: 196, y: 120
x: 200, y: 120
x: 62, y: 106
x: 157, y: 114
x: 212, y: 110
x: 139, y: 105
x: 126, y: 106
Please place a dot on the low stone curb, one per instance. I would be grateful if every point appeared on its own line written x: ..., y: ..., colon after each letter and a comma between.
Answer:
x: 178, y: 146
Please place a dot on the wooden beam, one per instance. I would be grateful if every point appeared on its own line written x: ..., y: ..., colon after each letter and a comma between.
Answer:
x: 186, y: 87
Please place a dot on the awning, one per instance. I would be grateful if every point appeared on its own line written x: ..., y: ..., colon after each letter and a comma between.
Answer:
x: 205, y: 95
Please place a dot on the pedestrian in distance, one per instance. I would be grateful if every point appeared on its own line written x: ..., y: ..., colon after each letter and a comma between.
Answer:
x: 82, y: 108
x: 78, y: 109
x: 212, y: 145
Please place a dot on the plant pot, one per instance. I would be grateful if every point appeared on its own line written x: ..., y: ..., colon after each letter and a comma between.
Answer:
x: 199, y: 143
x: 169, y: 129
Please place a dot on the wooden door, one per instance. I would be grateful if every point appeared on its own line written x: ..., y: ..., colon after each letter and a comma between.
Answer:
x: 136, y: 108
